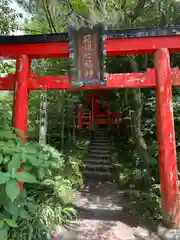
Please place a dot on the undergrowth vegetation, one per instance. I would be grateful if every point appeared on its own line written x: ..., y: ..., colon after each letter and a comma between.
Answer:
x: 141, y: 178
x: 37, y: 186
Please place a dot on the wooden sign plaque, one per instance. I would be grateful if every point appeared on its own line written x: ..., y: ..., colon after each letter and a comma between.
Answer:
x: 87, y: 56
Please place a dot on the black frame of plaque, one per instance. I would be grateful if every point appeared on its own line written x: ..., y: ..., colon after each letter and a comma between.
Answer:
x: 76, y: 36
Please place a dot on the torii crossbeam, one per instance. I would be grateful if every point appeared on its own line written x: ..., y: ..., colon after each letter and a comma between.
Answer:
x: 156, y: 41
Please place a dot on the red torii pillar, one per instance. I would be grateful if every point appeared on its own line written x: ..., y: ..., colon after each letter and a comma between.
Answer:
x: 166, y: 139
x: 21, y: 98
x: 21, y: 94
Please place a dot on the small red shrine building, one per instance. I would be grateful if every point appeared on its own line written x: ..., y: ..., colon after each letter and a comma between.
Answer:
x: 99, y: 114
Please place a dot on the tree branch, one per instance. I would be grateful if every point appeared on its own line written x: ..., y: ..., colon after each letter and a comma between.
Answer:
x: 136, y: 12
x: 29, y: 7
x: 123, y: 4
x: 50, y: 17
x: 26, y: 29
x: 47, y: 16
x: 69, y: 5
x: 97, y: 4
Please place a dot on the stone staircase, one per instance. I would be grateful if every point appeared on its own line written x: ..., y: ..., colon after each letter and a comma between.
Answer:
x: 98, y: 161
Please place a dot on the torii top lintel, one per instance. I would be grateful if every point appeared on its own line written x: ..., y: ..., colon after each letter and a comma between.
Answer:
x: 129, y: 41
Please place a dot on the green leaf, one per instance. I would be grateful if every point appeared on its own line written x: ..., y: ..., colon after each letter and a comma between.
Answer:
x: 33, y: 160
x: 11, y: 223
x: 1, y: 144
x: 15, y: 217
x: 11, y: 142
x: 1, y: 158
x: 1, y: 224
x: 18, y: 149
x: 23, y: 157
x: 24, y: 194
x: 4, y: 233
x: 30, y: 149
x: 6, y: 159
x: 27, y: 167
x: 12, y: 189
x: 11, y: 207
x: 32, y: 207
x: 69, y: 212
x: 2, y: 195
x: 9, y: 149
x: 67, y: 215
x: 14, y: 164
x: 41, y: 173
x: 23, y: 214
x: 1, y: 216
x: 7, y: 134
x: 25, y: 177
x: 4, y: 177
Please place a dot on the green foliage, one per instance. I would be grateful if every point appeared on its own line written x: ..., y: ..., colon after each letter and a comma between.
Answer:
x: 11, y: 149
x: 7, y: 67
x: 145, y: 206
x: 6, y: 102
x: 8, y: 18
x: 45, y: 210
x: 48, y: 187
x: 12, y: 189
x: 141, y: 179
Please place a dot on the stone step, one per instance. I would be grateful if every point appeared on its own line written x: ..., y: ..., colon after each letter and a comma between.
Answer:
x: 102, y: 134
x: 101, y: 141
x: 101, y: 147
x: 101, y: 137
x: 102, y: 130
x: 97, y: 167
x: 99, y: 155
x: 97, y: 173
x: 96, y: 150
x: 97, y: 160
x: 103, y: 144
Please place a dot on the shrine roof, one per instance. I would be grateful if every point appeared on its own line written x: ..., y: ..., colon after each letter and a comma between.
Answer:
x: 112, y: 34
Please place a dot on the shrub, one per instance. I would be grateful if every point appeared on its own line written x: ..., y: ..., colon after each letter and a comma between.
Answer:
x: 31, y: 194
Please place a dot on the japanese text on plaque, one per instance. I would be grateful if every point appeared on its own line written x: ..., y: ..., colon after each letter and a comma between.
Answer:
x: 88, y: 61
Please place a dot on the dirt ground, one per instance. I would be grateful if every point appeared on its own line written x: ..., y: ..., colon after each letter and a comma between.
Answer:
x: 102, y: 215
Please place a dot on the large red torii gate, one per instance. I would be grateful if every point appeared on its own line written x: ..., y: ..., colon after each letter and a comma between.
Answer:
x: 159, y: 42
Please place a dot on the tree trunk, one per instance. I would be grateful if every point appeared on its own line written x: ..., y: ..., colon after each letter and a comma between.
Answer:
x: 62, y: 127
x: 43, y: 118
x: 136, y: 113
x: 74, y: 131
x: 69, y: 114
